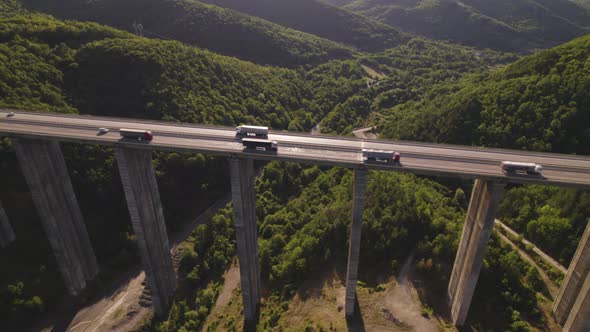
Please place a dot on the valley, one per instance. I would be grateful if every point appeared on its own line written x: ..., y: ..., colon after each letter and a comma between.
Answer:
x: 480, y: 73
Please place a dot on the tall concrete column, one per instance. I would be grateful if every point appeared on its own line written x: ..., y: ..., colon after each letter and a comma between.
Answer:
x: 6, y: 232
x: 147, y: 218
x: 571, y: 306
x: 358, y: 197
x: 244, y: 201
x: 579, y: 317
x: 479, y: 221
x: 46, y: 174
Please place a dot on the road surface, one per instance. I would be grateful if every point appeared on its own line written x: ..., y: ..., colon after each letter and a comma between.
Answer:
x: 419, y: 158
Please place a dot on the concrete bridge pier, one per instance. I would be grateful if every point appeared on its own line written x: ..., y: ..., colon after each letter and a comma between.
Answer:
x: 244, y: 201
x: 477, y: 229
x: 46, y: 174
x: 6, y: 232
x: 147, y: 218
x: 358, y: 198
x: 571, y: 308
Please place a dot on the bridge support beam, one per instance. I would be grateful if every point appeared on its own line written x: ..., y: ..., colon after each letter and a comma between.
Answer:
x: 244, y: 201
x: 479, y: 221
x: 147, y: 218
x: 358, y: 198
x: 571, y: 308
x: 6, y: 232
x: 46, y: 174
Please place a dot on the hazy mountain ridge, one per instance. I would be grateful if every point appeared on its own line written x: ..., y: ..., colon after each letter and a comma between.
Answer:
x: 207, y: 26
x: 323, y: 20
x: 506, y: 24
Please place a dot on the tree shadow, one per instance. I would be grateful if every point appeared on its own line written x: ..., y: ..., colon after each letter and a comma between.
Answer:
x: 355, y: 323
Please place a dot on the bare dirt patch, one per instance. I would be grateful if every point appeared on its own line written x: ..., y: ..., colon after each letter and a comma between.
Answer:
x: 232, y: 280
x: 373, y: 73
x: 116, y: 311
x: 319, y: 303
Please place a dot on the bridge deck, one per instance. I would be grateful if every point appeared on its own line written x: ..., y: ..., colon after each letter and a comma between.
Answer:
x: 418, y: 158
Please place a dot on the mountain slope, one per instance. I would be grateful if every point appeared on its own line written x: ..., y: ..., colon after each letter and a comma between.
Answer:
x: 540, y: 102
x: 101, y: 70
x: 321, y: 19
x: 9, y: 8
x: 80, y: 67
x: 505, y: 24
x: 207, y: 26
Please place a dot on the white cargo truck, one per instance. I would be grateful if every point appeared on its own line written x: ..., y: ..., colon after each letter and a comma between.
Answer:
x: 381, y: 155
x: 515, y: 167
x: 257, y: 131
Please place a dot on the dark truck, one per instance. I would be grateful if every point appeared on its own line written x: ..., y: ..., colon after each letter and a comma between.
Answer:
x: 259, y: 144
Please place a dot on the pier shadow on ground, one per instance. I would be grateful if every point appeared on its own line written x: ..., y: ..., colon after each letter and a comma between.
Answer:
x: 355, y: 323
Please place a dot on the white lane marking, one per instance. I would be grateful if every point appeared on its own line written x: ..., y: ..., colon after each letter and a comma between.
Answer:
x: 360, y: 153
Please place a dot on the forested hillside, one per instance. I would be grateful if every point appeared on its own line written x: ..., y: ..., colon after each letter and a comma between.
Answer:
x: 206, y: 26
x: 326, y: 21
x: 537, y: 103
x: 553, y: 218
x: 67, y: 66
x: 516, y: 25
x: 303, y: 215
x: 393, y: 77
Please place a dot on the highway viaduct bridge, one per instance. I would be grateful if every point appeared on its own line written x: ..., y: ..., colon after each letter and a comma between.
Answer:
x: 36, y: 138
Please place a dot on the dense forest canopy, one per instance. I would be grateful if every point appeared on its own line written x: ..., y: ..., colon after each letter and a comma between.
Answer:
x: 515, y: 25
x: 400, y: 74
x: 207, y: 26
x: 540, y: 102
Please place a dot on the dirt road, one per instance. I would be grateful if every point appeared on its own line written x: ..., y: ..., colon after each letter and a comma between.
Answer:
x: 365, y: 133
x: 538, y: 251
x: 118, y: 310
x: 551, y: 287
x: 119, y: 307
x: 231, y: 282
